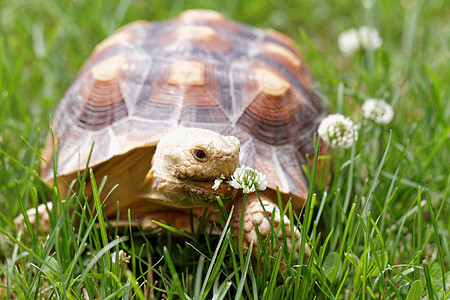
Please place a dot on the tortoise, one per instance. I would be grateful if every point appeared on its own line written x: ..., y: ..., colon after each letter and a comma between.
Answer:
x: 170, y: 106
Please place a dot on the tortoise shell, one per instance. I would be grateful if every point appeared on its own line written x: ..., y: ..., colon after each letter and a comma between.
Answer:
x: 197, y: 70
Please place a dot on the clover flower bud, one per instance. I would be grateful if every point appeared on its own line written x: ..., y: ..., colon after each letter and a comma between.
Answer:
x: 337, y: 131
x: 123, y: 257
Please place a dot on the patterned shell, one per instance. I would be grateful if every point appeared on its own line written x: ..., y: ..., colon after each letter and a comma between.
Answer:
x: 197, y: 70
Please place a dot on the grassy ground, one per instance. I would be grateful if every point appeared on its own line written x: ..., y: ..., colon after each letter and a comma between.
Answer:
x: 380, y: 229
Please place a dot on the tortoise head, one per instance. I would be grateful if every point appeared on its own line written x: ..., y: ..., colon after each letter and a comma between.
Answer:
x: 186, y: 163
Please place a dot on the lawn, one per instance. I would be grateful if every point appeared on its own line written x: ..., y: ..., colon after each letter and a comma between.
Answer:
x: 378, y: 228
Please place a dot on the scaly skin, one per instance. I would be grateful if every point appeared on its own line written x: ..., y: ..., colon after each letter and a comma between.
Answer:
x: 184, y: 179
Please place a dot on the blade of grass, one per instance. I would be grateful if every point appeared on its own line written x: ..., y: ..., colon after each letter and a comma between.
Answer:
x: 135, y: 285
x: 268, y: 293
x: 173, y: 272
x: 244, y: 275
x: 437, y: 239
x: 218, y: 253
x: 430, y: 286
x: 98, y: 207
x: 99, y: 255
x: 222, y: 291
x: 174, y: 230
x: 308, y: 216
x: 198, y: 277
x: 377, y: 173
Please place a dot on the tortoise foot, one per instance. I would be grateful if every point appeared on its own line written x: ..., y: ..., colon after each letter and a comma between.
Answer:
x: 258, y: 218
x: 41, y: 215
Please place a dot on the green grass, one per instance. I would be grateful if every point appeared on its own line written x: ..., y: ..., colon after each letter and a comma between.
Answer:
x: 379, y: 229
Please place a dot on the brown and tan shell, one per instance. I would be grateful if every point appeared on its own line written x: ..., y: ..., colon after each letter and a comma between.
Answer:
x: 197, y: 70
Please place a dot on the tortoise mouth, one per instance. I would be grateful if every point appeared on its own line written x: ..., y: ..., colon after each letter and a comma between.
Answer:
x: 204, y: 194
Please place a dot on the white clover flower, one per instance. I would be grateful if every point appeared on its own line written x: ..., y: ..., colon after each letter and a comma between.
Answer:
x: 369, y: 37
x: 123, y: 257
x: 348, y: 41
x: 218, y: 181
x: 365, y: 37
x: 248, y: 179
x: 378, y: 111
x: 337, y: 131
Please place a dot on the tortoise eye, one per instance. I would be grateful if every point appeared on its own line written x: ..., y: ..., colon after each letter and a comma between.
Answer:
x: 199, y: 154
